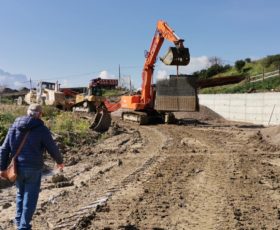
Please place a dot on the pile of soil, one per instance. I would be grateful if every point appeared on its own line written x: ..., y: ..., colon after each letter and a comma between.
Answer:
x: 272, y: 134
x: 204, y: 113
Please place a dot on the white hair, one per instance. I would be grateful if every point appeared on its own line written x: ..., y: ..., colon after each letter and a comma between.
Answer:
x: 34, y: 110
x: 33, y: 113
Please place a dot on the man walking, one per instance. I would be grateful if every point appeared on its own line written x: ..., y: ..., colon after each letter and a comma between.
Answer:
x: 29, y: 161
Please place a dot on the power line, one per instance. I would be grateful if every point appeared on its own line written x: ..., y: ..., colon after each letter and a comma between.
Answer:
x: 66, y: 77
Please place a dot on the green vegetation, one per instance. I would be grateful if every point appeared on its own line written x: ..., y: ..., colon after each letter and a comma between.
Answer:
x: 65, y: 124
x: 111, y: 92
x: 5, y: 120
x: 61, y: 123
x: 8, y: 114
x: 246, y: 68
x: 272, y: 61
x: 239, y: 65
x: 215, y: 69
x: 271, y: 84
x: 68, y: 122
x: 6, y: 100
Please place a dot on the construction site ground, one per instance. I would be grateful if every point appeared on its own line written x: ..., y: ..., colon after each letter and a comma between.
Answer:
x: 202, y: 173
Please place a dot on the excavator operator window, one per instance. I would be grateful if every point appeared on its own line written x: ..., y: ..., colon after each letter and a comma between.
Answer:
x: 96, y: 91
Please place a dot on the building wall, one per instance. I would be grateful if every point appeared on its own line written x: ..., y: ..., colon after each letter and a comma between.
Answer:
x: 257, y: 108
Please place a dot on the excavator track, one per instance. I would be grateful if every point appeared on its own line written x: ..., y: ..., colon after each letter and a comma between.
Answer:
x: 138, y: 117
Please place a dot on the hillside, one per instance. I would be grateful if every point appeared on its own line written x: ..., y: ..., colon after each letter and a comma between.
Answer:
x: 252, y: 70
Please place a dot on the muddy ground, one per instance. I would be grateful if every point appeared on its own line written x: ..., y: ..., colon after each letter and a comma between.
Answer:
x: 198, y: 174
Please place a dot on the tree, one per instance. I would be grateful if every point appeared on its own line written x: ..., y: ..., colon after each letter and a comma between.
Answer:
x: 215, y: 61
x: 211, y: 71
x: 239, y: 65
x: 248, y: 60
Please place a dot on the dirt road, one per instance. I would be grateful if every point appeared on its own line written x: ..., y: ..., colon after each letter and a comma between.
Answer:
x: 189, y: 176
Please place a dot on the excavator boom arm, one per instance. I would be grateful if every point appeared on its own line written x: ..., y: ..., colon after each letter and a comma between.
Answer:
x: 163, y: 31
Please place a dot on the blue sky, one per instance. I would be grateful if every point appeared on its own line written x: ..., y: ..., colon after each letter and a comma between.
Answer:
x: 75, y: 41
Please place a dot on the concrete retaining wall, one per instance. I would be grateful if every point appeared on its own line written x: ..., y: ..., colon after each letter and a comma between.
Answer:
x: 257, y: 108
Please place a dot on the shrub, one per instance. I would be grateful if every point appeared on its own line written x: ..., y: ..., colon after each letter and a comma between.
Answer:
x: 248, y: 60
x: 68, y: 122
x: 239, y: 65
x: 273, y: 60
x: 50, y: 112
x: 3, y: 132
x: 6, y: 119
x: 211, y: 71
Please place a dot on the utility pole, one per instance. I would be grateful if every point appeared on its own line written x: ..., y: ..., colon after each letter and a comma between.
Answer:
x: 130, y: 84
x: 30, y: 82
x: 119, y: 74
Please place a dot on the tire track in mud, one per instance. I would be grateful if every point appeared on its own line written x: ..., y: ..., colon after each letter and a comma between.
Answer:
x: 227, y: 194
x: 86, y: 201
x: 184, y: 177
x: 164, y: 195
x: 199, y: 183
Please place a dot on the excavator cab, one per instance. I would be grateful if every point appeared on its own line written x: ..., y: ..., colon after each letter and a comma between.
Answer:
x: 176, y: 56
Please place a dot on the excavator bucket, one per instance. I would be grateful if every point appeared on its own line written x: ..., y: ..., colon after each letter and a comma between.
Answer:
x: 176, y: 56
x: 101, y: 121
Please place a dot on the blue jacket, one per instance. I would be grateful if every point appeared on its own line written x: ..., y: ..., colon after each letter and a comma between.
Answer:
x: 38, y: 140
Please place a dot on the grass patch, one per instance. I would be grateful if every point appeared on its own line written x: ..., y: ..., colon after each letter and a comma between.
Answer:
x: 69, y: 122
x: 271, y: 84
x: 112, y: 92
x: 6, y: 119
x: 57, y: 121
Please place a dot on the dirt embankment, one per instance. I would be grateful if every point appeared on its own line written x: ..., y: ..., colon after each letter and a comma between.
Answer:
x: 200, y: 175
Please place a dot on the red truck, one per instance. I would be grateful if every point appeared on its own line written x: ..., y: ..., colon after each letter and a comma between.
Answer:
x: 104, y: 83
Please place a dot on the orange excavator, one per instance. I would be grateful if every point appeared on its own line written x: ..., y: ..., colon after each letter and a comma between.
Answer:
x: 158, y: 102
x: 140, y: 108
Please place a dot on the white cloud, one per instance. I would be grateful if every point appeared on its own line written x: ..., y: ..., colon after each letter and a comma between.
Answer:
x: 105, y: 75
x: 196, y: 63
x: 162, y: 74
x: 13, y: 81
x: 125, y: 81
x: 65, y: 83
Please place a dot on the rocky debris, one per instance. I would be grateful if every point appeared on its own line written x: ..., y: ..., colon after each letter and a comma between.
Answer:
x: 128, y: 227
x: 83, y: 222
x: 115, y: 129
x: 4, y: 183
x: 73, y: 161
x: 272, y: 134
x: 58, y: 178
x: 259, y: 142
x: 61, y: 181
x: 6, y: 205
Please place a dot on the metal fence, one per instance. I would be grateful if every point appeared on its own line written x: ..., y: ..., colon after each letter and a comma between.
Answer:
x: 263, y: 76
